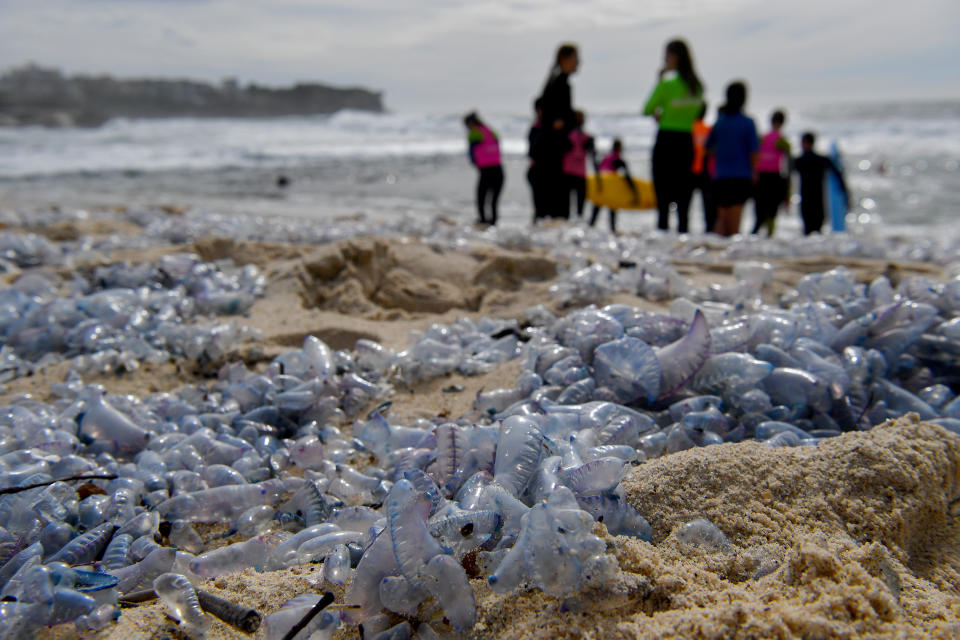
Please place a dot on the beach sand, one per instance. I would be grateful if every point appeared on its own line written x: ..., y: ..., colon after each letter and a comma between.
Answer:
x: 862, y: 532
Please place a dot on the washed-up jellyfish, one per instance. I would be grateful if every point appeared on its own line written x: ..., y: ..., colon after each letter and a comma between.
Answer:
x: 628, y: 367
x: 555, y: 551
x: 703, y: 533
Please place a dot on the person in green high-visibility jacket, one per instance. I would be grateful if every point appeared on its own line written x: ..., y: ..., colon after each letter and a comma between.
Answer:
x: 676, y: 103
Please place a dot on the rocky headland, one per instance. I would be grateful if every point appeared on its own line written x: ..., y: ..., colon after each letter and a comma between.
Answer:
x: 32, y: 95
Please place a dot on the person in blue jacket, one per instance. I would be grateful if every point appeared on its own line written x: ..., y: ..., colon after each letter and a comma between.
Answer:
x: 733, y: 143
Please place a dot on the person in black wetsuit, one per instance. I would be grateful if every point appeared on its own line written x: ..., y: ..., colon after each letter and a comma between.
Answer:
x: 812, y: 168
x: 533, y: 173
x: 557, y: 121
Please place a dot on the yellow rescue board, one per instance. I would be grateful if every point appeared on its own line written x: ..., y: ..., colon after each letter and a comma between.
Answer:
x: 615, y: 193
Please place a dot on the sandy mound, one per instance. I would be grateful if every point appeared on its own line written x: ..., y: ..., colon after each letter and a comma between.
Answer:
x: 864, y: 530
x: 366, y: 275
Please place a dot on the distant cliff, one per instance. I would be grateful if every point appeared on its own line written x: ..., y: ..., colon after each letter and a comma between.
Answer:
x: 35, y: 95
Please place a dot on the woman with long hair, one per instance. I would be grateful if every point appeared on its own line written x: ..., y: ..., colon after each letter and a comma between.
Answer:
x: 558, y: 119
x: 676, y: 103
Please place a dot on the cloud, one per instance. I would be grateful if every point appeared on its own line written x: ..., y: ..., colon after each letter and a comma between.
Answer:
x: 441, y: 56
x: 176, y: 38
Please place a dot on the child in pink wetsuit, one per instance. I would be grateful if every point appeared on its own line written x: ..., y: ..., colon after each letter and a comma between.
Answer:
x: 773, y: 171
x: 575, y: 162
x: 613, y: 163
x: 485, y: 155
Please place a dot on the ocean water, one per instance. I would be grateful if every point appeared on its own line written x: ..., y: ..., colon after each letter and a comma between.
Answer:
x: 902, y: 162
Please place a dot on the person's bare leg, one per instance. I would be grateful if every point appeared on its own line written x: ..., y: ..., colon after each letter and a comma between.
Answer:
x: 733, y: 223
x: 721, y: 225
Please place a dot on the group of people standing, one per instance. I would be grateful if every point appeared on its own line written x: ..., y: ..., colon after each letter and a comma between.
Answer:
x: 559, y: 148
x: 729, y: 163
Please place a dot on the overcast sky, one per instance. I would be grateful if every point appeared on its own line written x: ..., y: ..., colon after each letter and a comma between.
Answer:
x: 437, y: 57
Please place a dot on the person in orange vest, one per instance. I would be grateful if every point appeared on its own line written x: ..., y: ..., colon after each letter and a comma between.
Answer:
x: 575, y: 162
x: 704, y: 167
x: 485, y: 156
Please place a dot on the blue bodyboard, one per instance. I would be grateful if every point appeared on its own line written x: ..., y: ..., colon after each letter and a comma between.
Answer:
x: 836, y: 196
